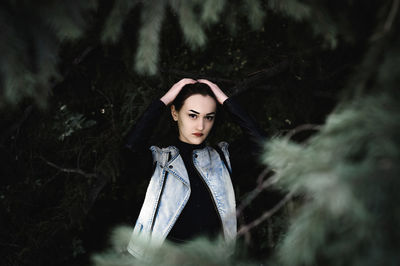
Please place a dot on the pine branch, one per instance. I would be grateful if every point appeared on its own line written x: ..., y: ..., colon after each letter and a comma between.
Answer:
x: 113, y: 25
x: 193, y: 30
x: 255, y: 192
x: 69, y: 170
x: 182, y: 74
x: 147, y: 54
x: 392, y: 15
x: 254, y: 79
x: 389, y: 21
x: 29, y: 51
x: 367, y: 70
x: 211, y: 11
x: 302, y: 128
x: 100, y: 181
x: 260, y: 77
x: 96, y: 188
x: 255, y: 13
x: 246, y: 228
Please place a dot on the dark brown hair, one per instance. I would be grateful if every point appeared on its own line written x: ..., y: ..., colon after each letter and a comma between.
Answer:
x: 192, y: 89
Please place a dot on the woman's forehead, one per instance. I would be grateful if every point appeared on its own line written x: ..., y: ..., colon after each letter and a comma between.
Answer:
x: 203, y: 104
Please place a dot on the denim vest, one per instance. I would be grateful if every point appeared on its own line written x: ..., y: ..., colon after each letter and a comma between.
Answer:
x: 169, y: 191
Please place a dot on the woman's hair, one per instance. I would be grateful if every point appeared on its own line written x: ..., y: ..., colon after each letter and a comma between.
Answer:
x: 192, y: 89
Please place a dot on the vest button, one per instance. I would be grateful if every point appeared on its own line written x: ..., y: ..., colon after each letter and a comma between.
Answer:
x: 195, y: 156
x: 170, y: 167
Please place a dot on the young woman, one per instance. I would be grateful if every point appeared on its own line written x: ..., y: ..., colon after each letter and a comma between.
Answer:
x: 190, y: 191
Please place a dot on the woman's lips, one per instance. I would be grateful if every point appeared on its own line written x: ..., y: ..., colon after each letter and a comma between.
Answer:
x: 198, y: 134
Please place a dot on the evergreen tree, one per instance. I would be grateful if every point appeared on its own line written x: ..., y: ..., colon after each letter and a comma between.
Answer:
x: 97, y: 64
x: 30, y: 35
x: 30, y: 50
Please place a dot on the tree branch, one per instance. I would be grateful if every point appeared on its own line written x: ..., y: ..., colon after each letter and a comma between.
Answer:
x: 260, y: 77
x: 246, y: 228
x: 302, y: 128
x: 182, y: 74
x: 255, y: 192
x: 389, y: 21
x: 253, y: 79
x: 93, y: 191
x: 70, y: 170
x: 391, y: 16
x: 96, y: 188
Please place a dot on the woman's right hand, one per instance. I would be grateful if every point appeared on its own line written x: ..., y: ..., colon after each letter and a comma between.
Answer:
x: 170, y: 96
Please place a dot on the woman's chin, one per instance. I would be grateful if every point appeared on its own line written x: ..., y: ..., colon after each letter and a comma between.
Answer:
x: 196, y: 141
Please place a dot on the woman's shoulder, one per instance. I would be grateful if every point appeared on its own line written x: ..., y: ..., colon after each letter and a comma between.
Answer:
x: 173, y: 150
x: 223, y: 144
x: 162, y: 150
x: 160, y: 153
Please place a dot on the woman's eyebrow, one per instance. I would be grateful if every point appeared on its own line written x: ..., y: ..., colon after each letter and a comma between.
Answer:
x: 212, y: 113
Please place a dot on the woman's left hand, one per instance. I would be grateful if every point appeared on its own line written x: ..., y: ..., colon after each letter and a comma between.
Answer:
x: 219, y: 94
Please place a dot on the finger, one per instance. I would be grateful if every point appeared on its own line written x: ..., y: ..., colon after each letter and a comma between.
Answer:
x: 192, y: 81
x: 188, y: 81
x: 205, y: 81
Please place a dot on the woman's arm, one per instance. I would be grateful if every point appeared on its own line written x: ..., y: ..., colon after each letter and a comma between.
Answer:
x: 135, y: 151
x: 139, y: 135
x: 219, y: 94
x: 249, y: 127
x: 136, y: 155
x: 137, y: 139
x: 170, y: 96
x: 244, y: 152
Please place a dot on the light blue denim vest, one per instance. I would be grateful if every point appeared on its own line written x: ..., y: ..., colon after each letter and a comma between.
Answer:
x: 169, y: 191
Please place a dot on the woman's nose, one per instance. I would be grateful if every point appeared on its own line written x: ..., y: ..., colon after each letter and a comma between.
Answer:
x: 200, y: 124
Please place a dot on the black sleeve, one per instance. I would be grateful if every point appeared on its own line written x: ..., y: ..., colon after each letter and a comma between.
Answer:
x: 135, y: 151
x: 250, y: 128
x: 137, y: 160
x: 244, y: 152
x: 138, y: 137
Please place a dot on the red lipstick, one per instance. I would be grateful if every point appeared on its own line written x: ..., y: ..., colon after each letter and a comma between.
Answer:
x: 198, y: 134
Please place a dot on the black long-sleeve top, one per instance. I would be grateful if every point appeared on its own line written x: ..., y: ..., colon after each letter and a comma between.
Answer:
x: 199, y: 217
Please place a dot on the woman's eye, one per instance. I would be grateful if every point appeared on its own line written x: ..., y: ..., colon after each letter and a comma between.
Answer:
x: 210, y: 118
x: 192, y: 115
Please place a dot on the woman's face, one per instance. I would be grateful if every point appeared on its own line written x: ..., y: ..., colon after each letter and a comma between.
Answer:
x: 195, y: 118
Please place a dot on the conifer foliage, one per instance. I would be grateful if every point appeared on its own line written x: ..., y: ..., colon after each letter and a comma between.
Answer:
x: 31, y: 32
x: 349, y: 171
x: 63, y: 183
x: 194, y: 18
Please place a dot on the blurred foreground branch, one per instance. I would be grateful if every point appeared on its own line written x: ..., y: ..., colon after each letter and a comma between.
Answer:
x: 246, y: 228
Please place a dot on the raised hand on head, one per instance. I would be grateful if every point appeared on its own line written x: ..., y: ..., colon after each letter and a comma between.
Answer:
x: 219, y: 94
x: 171, y: 94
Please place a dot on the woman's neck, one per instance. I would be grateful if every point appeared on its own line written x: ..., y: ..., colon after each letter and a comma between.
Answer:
x: 188, y: 146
